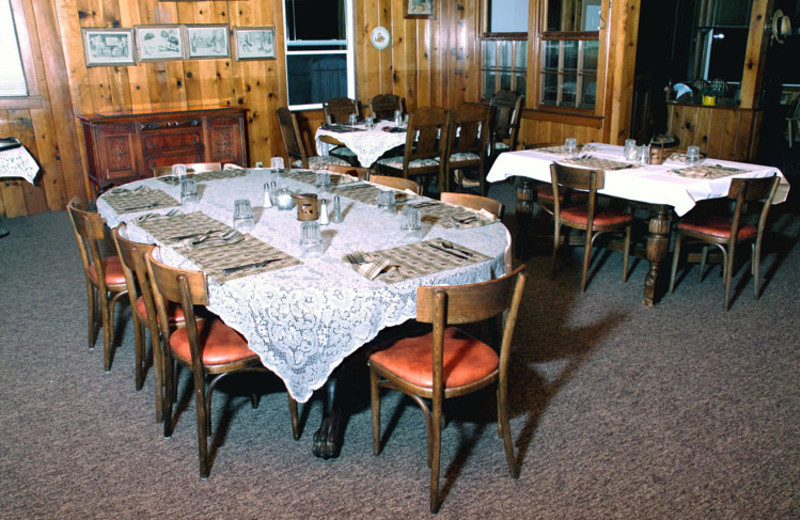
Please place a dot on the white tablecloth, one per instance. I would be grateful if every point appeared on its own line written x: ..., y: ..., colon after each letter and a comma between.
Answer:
x: 18, y: 162
x: 304, y: 320
x: 653, y: 184
x: 368, y: 145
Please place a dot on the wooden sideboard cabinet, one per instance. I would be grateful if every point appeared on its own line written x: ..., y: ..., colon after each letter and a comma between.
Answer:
x: 126, y: 146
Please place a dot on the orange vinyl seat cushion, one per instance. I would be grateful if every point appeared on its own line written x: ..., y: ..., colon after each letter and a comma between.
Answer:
x: 114, y: 273
x: 607, y: 217
x: 546, y: 192
x: 718, y: 227
x: 465, y: 359
x: 220, y: 344
x: 174, y: 312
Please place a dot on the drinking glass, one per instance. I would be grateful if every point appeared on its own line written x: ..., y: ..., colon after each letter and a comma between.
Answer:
x: 693, y: 154
x: 386, y: 199
x: 571, y: 147
x: 310, y: 234
x: 643, y: 154
x: 323, y: 180
x: 398, y: 118
x: 178, y: 173
x: 243, y: 215
x: 411, y: 219
x: 630, y: 149
x: 370, y: 122
x: 352, y: 119
x: 189, y: 195
x: 276, y: 163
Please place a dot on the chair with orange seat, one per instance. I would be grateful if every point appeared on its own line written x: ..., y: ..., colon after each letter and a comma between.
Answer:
x: 587, y: 217
x: 105, y: 280
x: 207, y: 348
x: 726, y: 232
x: 448, y: 362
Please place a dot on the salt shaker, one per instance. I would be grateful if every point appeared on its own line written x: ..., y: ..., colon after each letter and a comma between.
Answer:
x: 337, y: 210
x: 323, y: 213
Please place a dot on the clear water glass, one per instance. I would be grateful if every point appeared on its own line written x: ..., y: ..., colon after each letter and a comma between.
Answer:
x: 276, y: 163
x: 178, y: 173
x: 630, y: 149
x: 398, y: 118
x: 643, y: 154
x: 243, y: 215
x: 189, y: 194
x: 323, y: 180
x: 310, y: 234
x: 370, y: 121
x: 411, y: 219
x: 352, y: 119
x: 386, y: 199
x: 693, y: 154
x: 571, y: 147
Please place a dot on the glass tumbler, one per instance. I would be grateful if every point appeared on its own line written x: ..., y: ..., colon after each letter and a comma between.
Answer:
x: 630, y: 149
x: 178, y: 173
x: 310, y: 234
x: 243, y: 215
x: 352, y: 119
x: 386, y: 199
x: 693, y: 154
x: 571, y: 147
x: 276, y: 163
x: 189, y: 194
x: 411, y: 219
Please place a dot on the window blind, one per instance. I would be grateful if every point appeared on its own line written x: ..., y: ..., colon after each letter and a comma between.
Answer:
x: 12, y: 77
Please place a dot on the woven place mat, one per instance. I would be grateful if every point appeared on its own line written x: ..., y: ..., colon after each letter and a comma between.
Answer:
x: 130, y: 201
x: 707, y: 171
x: 596, y: 163
x: 304, y: 176
x: 164, y: 229
x: 214, y: 175
x: 364, y: 193
x: 421, y: 259
x: 562, y: 150
x: 341, y: 128
x: 450, y: 216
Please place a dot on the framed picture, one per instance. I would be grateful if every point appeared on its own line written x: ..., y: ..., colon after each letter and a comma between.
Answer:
x: 106, y: 47
x: 254, y: 43
x: 159, y: 42
x: 207, y: 42
x: 419, y: 8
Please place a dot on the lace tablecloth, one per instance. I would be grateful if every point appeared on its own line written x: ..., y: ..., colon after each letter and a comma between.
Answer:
x: 18, y: 162
x: 303, y: 320
x: 368, y: 145
x: 653, y: 184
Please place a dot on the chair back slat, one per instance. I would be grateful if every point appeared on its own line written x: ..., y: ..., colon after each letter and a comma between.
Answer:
x: 577, y: 178
x: 89, y: 230
x: 751, y: 189
x: 469, y: 132
x: 428, y: 130
x: 292, y: 142
x: 134, y: 263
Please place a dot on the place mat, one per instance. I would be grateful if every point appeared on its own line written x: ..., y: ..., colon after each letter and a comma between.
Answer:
x: 342, y: 128
x: 181, y: 225
x: 124, y: 200
x: 417, y: 259
x: 707, y: 171
x: 451, y: 216
x: 250, y: 253
x: 681, y: 157
x: 596, y: 163
x: 227, y: 173
x: 304, y: 176
x: 364, y: 193
x: 562, y: 150
x: 395, y: 129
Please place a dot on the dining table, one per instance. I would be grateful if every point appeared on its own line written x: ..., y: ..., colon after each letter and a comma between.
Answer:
x: 16, y: 162
x: 673, y: 187
x: 309, y: 307
x: 368, y: 142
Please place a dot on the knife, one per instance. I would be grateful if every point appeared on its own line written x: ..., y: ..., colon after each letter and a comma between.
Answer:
x: 229, y: 270
x: 453, y: 253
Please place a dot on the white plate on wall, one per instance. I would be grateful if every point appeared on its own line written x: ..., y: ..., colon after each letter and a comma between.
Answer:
x: 380, y: 38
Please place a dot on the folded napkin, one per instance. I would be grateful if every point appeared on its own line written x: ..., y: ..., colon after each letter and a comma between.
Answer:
x: 395, y: 129
x: 231, y: 166
x: 374, y: 269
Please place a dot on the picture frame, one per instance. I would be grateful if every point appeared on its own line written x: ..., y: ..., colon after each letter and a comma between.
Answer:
x: 254, y: 43
x: 159, y: 42
x: 207, y: 42
x: 103, y: 47
x: 419, y: 8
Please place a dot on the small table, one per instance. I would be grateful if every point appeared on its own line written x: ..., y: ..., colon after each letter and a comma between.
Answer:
x: 658, y: 186
x: 15, y: 162
x: 369, y: 144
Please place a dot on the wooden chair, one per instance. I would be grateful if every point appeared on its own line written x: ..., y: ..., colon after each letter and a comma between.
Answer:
x: 586, y: 217
x: 207, y: 348
x: 476, y: 202
x: 720, y: 230
x: 467, y: 148
x: 293, y: 144
x: 355, y: 171
x: 105, y: 280
x: 383, y: 106
x: 425, y: 149
x: 448, y: 362
x: 506, y: 111
x: 338, y: 110
x: 134, y: 264
x: 791, y: 121
x: 190, y: 168
x: 397, y: 183
x: 544, y: 192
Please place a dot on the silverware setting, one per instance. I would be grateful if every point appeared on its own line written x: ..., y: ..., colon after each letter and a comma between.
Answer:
x: 206, y: 234
x: 449, y: 245
x: 423, y: 204
x: 156, y: 216
x: 229, y: 237
x: 458, y: 222
x: 139, y: 208
x: 255, y: 265
x: 448, y: 251
x: 127, y: 190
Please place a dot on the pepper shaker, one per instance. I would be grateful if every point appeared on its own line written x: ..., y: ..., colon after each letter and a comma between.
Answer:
x: 337, y: 210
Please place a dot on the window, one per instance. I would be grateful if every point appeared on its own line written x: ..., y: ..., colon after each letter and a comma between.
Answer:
x: 319, y: 51
x: 504, y: 47
x: 12, y: 76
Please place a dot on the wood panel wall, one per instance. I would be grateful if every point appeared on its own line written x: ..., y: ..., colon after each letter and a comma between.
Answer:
x: 724, y: 133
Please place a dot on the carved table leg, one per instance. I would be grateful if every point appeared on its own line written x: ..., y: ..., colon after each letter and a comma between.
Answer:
x: 657, y: 245
x: 328, y: 438
x: 524, y: 216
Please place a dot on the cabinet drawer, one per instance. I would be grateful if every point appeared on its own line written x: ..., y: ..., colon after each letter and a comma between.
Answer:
x: 168, y: 160
x: 160, y: 142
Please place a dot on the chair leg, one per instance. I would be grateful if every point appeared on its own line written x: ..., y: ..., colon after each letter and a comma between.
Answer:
x: 107, y: 332
x: 202, y: 424
x: 168, y: 395
x: 703, y: 260
x: 728, y: 273
x: 436, y: 448
x: 556, y: 244
x: 626, y: 254
x: 92, y: 304
x: 138, y: 345
x: 375, y: 401
x: 675, y: 257
x: 755, y: 267
x: 503, y: 425
x: 158, y: 371
x: 293, y: 415
x: 587, y: 256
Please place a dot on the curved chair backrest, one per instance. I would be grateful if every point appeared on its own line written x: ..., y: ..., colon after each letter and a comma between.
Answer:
x: 355, y: 171
x: 476, y: 202
x: 89, y: 230
x: 292, y: 142
x: 506, y: 110
x: 398, y: 183
x: 338, y: 110
x: 750, y: 190
x: 133, y: 256
x: 383, y: 106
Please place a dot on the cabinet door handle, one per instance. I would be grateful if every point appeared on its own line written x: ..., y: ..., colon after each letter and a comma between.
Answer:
x: 150, y: 126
